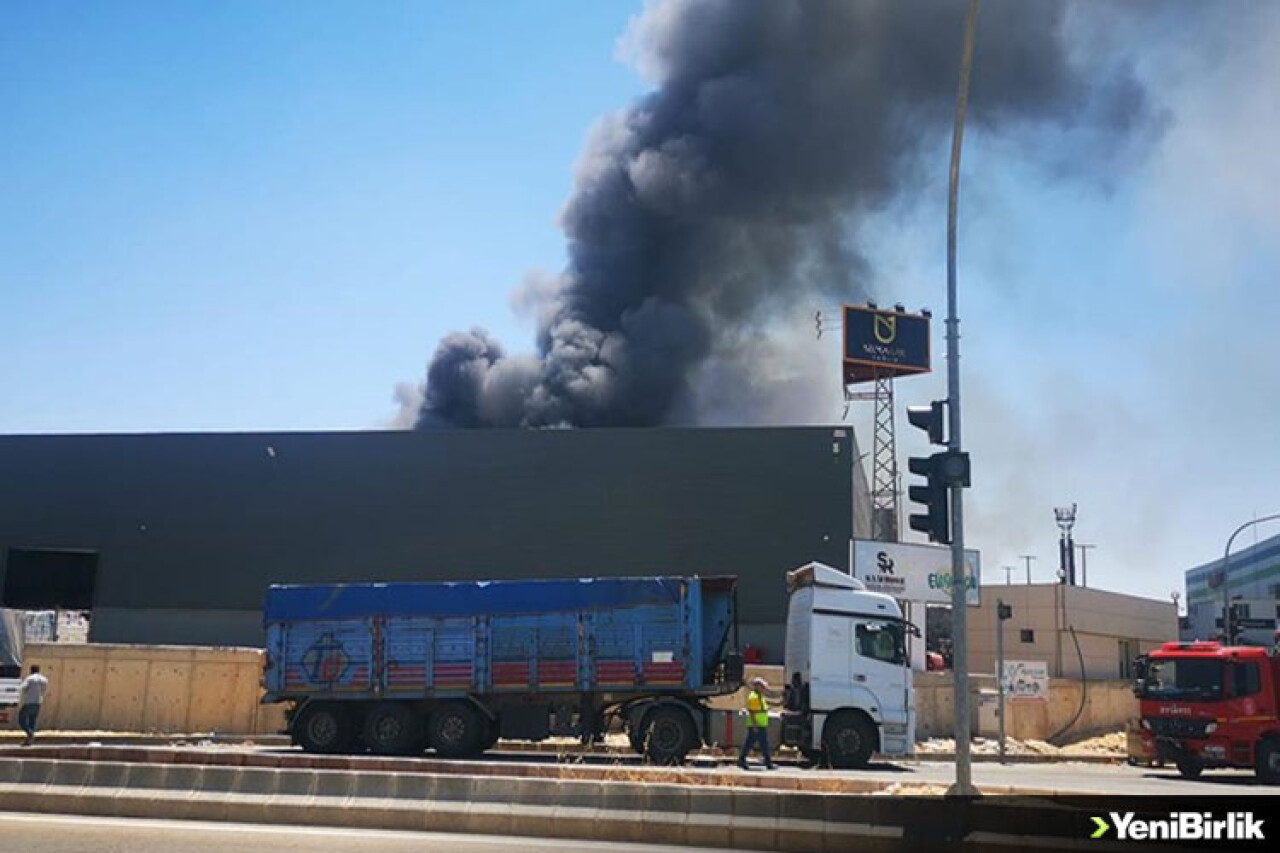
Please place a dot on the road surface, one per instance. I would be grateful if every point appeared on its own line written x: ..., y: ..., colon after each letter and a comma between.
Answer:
x: 31, y: 833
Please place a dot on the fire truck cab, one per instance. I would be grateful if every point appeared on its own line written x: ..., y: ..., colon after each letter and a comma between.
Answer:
x: 1206, y: 705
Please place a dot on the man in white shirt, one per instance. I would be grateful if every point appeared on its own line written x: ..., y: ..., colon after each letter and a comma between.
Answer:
x: 30, y: 694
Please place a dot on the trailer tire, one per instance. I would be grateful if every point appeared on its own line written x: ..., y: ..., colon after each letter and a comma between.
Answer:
x: 456, y: 730
x: 1190, y: 768
x: 848, y: 739
x: 324, y: 727
x: 669, y: 735
x: 1267, y: 763
x: 393, y: 728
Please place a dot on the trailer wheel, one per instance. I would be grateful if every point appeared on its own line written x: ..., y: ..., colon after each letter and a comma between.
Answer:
x: 1268, y: 761
x: 393, y: 728
x: 669, y: 735
x: 456, y: 730
x: 1190, y: 768
x: 324, y: 727
x: 848, y: 741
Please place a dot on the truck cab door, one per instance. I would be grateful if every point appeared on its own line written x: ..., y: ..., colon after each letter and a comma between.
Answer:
x: 879, y: 664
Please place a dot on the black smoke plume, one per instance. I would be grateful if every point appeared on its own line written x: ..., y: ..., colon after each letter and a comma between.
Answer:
x: 737, y: 188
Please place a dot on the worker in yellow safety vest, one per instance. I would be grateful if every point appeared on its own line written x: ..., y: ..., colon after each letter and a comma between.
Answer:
x: 757, y: 723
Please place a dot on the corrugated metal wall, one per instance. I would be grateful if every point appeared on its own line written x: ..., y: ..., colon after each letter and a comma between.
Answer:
x: 190, y: 528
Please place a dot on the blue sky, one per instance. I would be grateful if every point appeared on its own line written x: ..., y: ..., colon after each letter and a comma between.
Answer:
x: 248, y: 216
x: 245, y: 216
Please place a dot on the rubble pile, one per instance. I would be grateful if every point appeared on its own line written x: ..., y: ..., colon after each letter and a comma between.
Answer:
x: 1112, y: 744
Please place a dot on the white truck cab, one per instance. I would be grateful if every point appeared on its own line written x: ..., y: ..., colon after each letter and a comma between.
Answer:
x: 848, y: 676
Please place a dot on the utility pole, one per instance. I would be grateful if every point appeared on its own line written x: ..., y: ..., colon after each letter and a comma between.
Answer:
x: 1003, y: 612
x: 963, y: 786
x: 1008, y: 575
x: 1028, y: 558
x: 1084, y: 563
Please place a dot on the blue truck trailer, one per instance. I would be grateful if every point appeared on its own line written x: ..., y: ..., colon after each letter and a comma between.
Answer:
x: 398, y: 668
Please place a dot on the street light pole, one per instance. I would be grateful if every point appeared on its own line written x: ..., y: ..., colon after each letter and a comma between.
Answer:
x: 963, y: 786
x: 1028, y: 558
x: 1226, y: 559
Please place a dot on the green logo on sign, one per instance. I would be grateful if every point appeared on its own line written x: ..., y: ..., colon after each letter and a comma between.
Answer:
x: 1103, y: 826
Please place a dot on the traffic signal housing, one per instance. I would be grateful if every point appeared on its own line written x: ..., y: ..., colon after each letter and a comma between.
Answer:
x: 1004, y: 611
x: 929, y: 418
x: 941, y: 471
x: 935, y: 521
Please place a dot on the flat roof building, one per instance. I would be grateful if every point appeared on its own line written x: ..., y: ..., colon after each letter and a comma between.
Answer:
x: 1112, y: 629
x: 174, y: 538
x: 1252, y: 582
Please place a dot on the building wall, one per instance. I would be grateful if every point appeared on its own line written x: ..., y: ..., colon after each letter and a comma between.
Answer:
x: 190, y: 529
x: 1102, y: 621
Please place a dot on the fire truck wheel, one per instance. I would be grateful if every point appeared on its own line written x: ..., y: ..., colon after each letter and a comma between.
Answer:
x: 393, y: 728
x: 324, y: 727
x: 1268, y: 766
x: 1190, y: 768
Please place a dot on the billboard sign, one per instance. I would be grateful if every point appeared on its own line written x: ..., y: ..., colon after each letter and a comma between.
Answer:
x: 1026, y: 679
x: 883, y: 343
x: 912, y: 572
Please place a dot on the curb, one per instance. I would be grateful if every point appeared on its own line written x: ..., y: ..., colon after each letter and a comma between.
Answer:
x: 504, y: 748
x: 614, y: 812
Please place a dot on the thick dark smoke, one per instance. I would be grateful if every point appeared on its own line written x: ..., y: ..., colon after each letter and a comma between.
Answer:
x: 737, y: 188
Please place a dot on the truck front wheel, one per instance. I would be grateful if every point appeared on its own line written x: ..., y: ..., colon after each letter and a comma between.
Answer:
x: 669, y: 735
x: 1268, y: 761
x: 1190, y: 768
x: 456, y: 730
x: 848, y: 740
x: 324, y: 727
x: 393, y: 728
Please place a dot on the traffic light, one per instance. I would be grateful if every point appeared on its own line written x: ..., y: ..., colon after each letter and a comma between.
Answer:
x: 941, y: 472
x: 935, y: 521
x: 929, y: 419
x: 1004, y: 611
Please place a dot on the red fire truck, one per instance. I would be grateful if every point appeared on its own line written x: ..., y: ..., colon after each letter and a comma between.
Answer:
x: 1207, y: 705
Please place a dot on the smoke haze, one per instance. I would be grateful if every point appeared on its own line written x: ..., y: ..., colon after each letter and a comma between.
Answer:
x: 739, y: 188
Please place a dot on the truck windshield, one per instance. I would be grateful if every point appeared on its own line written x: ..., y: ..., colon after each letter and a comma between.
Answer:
x: 882, y: 641
x: 1183, y: 678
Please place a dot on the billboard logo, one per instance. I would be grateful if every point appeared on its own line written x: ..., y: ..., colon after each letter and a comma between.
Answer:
x: 884, y: 344
x: 884, y: 562
x: 886, y: 328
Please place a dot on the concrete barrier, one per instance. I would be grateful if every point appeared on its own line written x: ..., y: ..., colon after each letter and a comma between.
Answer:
x: 136, y: 688
x: 656, y: 813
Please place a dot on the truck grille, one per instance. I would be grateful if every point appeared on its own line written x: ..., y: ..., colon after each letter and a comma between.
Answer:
x: 1178, y: 727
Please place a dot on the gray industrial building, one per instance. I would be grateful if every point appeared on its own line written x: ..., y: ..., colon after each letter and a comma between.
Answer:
x: 173, y: 538
x: 1251, y: 582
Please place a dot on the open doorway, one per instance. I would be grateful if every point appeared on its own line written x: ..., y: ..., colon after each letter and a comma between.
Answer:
x: 49, y: 579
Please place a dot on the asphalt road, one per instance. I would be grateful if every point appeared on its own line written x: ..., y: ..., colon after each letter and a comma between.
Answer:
x: 32, y: 833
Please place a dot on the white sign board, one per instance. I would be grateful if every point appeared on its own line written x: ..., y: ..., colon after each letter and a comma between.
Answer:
x: 912, y: 572
x: 1026, y: 679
